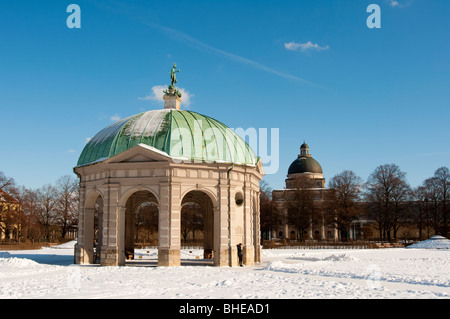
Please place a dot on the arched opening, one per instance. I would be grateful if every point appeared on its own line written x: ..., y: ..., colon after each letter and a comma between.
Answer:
x: 146, y: 222
x: 192, y: 224
x: 197, y: 223
x: 141, y: 224
x: 98, y: 224
x: 292, y: 235
x: 316, y: 235
x: 90, y: 237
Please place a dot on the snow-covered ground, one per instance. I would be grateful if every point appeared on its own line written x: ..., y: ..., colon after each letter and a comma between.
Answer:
x: 283, y: 273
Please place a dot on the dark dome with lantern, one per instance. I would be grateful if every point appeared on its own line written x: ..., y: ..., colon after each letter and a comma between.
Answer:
x: 305, y: 163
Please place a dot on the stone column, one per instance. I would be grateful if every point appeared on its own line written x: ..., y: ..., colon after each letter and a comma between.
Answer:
x: 84, y: 250
x: 208, y: 241
x: 310, y: 230
x: 99, y: 227
x: 322, y: 229
x: 121, y: 240
x: 169, y: 225
x: 111, y: 234
x: 257, y: 228
x: 249, y: 253
x: 286, y: 224
x: 79, y: 249
x: 128, y: 230
x: 221, y: 224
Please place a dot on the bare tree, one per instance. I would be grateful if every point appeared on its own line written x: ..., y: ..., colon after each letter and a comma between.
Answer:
x: 386, y: 191
x: 343, y: 206
x: 31, y: 212
x: 419, y: 214
x: 302, y: 206
x: 192, y: 219
x: 401, y: 197
x: 442, y: 180
x: 270, y: 216
x: 432, y: 202
x: 66, y: 203
x: 47, y: 208
x: 6, y: 182
x: 147, y: 219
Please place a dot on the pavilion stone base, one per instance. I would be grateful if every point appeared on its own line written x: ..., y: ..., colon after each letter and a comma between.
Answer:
x: 83, y: 255
x: 222, y: 258
x: 77, y: 255
x: 249, y: 256
x: 169, y: 257
x: 109, y: 257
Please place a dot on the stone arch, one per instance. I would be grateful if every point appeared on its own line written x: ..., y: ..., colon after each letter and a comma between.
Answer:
x: 91, y: 197
x: 212, y: 195
x: 205, y: 200
x: 130, y: 191
x: 130, y: 205
x: 90, y: 225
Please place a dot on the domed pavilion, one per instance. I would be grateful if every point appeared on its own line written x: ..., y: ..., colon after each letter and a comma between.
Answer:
x: 168, y: 158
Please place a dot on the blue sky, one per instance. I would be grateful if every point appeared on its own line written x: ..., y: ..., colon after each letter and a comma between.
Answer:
x: 359, y: 97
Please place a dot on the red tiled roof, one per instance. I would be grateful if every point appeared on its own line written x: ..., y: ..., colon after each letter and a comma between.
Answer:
x: 5, y: 197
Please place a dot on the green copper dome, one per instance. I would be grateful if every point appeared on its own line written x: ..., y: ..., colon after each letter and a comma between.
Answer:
x: 179, y: 133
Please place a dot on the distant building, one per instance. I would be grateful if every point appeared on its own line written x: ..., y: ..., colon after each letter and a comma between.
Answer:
x: 304, y: 173
x: 9, y: 211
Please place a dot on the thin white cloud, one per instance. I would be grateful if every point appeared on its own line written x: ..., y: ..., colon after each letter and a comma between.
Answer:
x: 71, y: 151
x: 305, y: 47
x: 393, y: 3
x: 130, y: 12
x: 199, y: 45
x: 115, y: 118
x: 156, y: 94
x: 399, y: 3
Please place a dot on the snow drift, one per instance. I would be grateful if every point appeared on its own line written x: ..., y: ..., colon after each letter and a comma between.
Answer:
x: 435, y: 242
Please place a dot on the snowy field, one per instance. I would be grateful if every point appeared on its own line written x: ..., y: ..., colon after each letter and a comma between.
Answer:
x: 391, y: 273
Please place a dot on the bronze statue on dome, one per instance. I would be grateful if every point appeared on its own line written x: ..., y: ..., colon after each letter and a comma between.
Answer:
x: 173, y: 79
x: 173, y: 76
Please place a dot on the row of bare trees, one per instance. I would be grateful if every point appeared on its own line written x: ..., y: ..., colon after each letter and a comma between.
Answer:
x: 48, y: 212
x: 391, y: 203
x: 386, y: 201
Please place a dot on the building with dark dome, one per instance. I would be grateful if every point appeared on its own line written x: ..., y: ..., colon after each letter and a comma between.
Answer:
x: 299, y: 205
x: 305, y: 166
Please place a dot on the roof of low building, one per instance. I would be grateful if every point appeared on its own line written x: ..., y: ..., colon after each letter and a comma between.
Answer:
x: 5, y: 197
